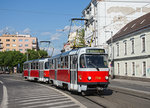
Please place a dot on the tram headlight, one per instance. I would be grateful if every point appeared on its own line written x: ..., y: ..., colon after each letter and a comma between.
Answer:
x: 89, y: 78
x: 106, y: 77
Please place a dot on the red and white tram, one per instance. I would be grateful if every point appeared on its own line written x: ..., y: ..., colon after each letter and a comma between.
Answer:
x: 36, y: 70
x: 80, y: 70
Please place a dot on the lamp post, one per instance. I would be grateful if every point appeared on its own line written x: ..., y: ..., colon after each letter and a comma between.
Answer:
x: 112, y: 55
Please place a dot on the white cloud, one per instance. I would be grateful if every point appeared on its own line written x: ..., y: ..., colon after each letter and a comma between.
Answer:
x: 7, y: 30
x: 26, y: 31
x: 56, y: 36
x: 45, y: 33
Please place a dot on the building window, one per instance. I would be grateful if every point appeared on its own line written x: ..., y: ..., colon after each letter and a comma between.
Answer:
x: 125, y: 48
x: 7, y: 49
x: 7, y: 40
x: 33, y: 41
x: 144, y: 68
x: 20, y: 45
x: 26, y: 40
x: 117, y: 49
x: 7, y: 45
x: 132, y: 46
x: 133, y: 68
x: 13, y: 49
x: 118, y: 68
x: 126, y: 68
x: 14, y: 45
x: 143, y: 44
x: 20, y: 40
x: 20, y: 49
x: 26, y: 45
x: 14, y: 40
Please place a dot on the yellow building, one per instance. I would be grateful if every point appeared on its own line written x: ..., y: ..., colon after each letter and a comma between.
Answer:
x: 18, y: 43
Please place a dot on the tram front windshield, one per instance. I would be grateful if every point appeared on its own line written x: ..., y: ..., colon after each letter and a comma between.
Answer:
x: 93, y: 61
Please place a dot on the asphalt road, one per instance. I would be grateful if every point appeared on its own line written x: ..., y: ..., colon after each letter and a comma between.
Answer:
x: 1, y: 92
x: 23, y: 94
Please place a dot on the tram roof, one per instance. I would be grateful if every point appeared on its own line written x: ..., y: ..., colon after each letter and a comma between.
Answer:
x: 35, y: 60
x: 72, y: 52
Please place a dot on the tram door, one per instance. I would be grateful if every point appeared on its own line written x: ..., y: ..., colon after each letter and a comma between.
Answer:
x: 73, y: 71
x: 41, y: 70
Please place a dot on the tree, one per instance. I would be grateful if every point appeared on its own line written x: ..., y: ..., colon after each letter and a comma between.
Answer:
x: 32, y: 54
x: 79, y: 40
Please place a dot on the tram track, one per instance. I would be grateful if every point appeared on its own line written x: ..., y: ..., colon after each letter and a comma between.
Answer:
x: 130, y: 92
x: 86, y: 97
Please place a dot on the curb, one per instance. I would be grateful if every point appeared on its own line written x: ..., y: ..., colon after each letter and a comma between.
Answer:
x: 133, y: 92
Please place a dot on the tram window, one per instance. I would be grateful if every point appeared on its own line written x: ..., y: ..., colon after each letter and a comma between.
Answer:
x: 31, y: 65
x: 46, y: 65
x: 66, y: 62
x: 93, y: 61
x: 52, y: 64
x: 82, y: 62
x: 55, y: 64
x: 59, y: 63
x: 24, y: 66
x: 62, y: 62
x: 37, y: 66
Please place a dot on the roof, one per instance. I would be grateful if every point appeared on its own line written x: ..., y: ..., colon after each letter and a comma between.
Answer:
x: 134, y: 26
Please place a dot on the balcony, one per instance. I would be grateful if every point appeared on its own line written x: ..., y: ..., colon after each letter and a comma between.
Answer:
x: 34, y: 47
x: 34, y: 42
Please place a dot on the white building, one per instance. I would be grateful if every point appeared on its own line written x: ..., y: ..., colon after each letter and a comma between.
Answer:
x: 106, y: 17
x: 129, y: 50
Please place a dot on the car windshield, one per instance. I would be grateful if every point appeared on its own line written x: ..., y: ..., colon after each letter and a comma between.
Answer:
x: 93, y: 61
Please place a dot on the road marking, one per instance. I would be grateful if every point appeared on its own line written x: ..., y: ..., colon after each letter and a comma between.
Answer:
x: 40, y: 99
x: 1, y: 82
x: 5, y: 97
x: 51, y: 104
x: 45, y: 101
x: 74, y: 100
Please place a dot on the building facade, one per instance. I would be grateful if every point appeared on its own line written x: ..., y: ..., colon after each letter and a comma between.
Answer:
x: 129, y: 51
x: 106, y: 17
x: 18, y: 43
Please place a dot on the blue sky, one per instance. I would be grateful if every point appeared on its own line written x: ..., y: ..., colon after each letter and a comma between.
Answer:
x: 43, y: 19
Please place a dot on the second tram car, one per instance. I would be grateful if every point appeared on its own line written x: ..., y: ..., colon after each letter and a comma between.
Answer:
x: 82, y: 69
x: 37, y: 70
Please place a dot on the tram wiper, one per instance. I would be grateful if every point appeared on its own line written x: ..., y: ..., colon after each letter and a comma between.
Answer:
x: 93, y: 65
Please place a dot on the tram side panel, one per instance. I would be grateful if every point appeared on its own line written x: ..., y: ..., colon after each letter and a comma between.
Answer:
x: 63, y: 75
x: 25, y: 74
x: 34, y: 74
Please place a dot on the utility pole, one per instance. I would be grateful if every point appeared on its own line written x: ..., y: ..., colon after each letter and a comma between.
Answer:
x: 112, y: 55
x: 48, y: 45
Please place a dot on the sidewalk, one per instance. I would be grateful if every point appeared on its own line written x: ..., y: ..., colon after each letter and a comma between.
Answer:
x: 132, y: 87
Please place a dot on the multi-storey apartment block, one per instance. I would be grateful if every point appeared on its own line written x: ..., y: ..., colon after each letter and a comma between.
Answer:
x: 17, y: 43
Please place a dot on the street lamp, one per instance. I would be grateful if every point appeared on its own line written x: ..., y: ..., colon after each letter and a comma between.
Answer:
x: 112, y: 54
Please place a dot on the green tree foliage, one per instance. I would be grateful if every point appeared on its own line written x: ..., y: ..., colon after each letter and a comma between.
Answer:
x: 36, y: 54
x: 81, y: 39
x: 11, y: 59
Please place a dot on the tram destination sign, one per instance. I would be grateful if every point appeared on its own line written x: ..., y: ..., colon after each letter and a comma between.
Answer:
x: 95, y: 51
